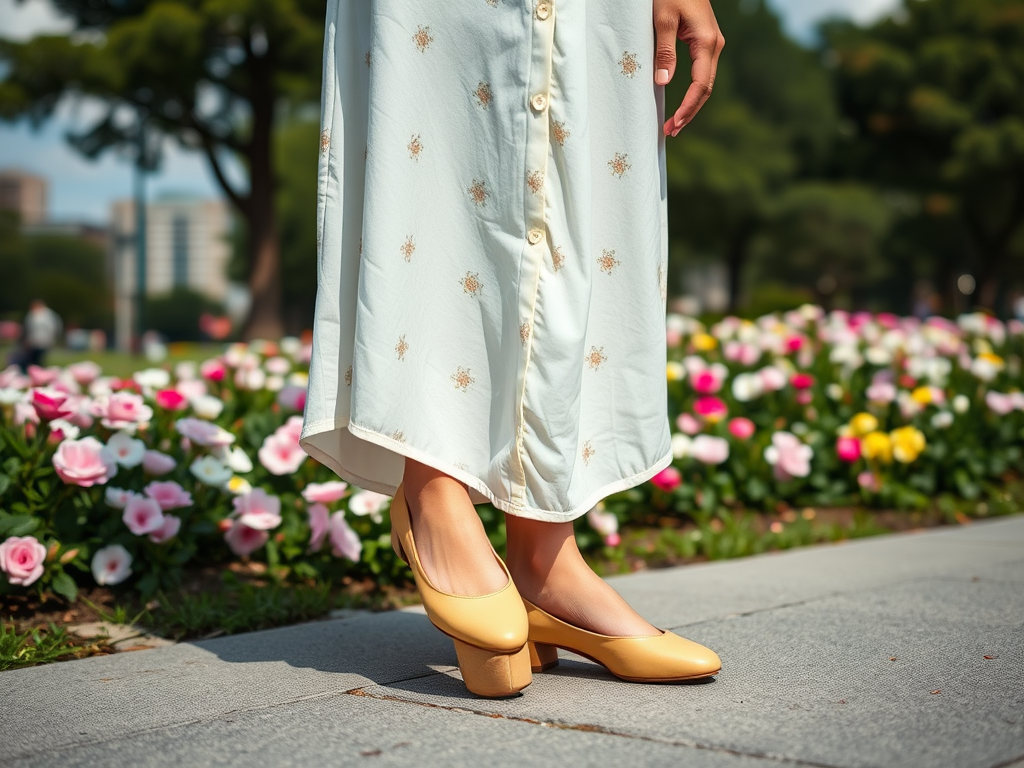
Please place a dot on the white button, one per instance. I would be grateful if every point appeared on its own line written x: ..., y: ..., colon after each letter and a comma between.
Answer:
x: 539, y: 101
x: 543, y: 11
x: 535, y: 236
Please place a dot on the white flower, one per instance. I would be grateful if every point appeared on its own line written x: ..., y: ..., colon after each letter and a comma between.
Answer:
x: 681, y: 445
x: 10, y: 395
x: 250, y: 378
x: 207, y: 406
x: 208, y: 470
x: 128, y: 452
x: 834, y: 391
x: 275, y: 383
x: 66, y: 428
x: 605, y: 523
x: 878, y: 355
x: 111, y: 565
x: 238, y: 485
x: 984, y: 368
x: 290, y: 345
x: 367, y: 503
x: 942, y: 419
x: 298, y: 379
x: 233, y: 458
x: 747, y: 386
x: 117, y: 497
x: 186, y: 370
x: 961, y: 404
x: 152, y: 378
x: 278, y: 366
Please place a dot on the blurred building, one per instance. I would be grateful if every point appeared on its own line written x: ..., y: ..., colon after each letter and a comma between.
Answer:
x: 187, y: 246
x: 25, y: 194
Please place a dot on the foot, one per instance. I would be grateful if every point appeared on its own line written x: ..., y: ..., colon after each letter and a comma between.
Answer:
x: 450, y: 539
x: 550, y: 572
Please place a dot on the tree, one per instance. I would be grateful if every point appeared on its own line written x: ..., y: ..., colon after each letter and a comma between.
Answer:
x: 211, y: 74
x: 936, y: 97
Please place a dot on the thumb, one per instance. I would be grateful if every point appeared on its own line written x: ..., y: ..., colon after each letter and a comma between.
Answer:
x: 666, y: 29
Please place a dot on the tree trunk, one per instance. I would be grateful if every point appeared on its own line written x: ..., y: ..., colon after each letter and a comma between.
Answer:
x: 736, y: 259
x: 264, y: 320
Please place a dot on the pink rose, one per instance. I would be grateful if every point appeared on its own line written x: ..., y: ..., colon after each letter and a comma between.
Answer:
x: 50, y: 403
x: 22, y: 558
x: 687, y: 424
x: 801, y: 380
x: 212, y: 369
x: 788, y: 456
x: 125, y: 409
x: 794, y: 343
x: 170, y: 528
x: 244, y: 540
x: 142, y: 515
x: 40, y: 376
x: 281, y: 454
x: 772, y: 378
x: 319, y: 523
x: 741, y: 427
x: 869, y: 481
x: 169, y: 495
x: 111, y: 564
x: 325, y: 493
x: 292, y: 428
x: 156, y: 463
x: 668, y: 479
x: 344, y: 541
x: 257, y: 509
x: 711, y: 408
x: 708, y: 449
x: 84, y: 372
x: 171, y: 400
x: 848, y: 449
x: 84, y: 462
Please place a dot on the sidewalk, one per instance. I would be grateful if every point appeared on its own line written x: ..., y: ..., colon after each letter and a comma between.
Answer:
x: 903, y: 650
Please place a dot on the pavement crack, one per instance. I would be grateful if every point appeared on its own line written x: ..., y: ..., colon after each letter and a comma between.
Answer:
x: 589, y: 728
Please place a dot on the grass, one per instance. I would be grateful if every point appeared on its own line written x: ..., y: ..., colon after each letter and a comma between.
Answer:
x: 123, y: 364
x: 42, y: 645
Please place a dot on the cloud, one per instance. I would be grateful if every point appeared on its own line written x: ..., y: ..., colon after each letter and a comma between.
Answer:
x: 801, y: 16
x: 30, y: 18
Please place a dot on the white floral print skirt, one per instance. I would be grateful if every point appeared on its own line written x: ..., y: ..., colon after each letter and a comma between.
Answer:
x: 492, y: 250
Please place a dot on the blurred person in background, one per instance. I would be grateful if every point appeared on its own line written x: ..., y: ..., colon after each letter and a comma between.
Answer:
x: 42, y: 330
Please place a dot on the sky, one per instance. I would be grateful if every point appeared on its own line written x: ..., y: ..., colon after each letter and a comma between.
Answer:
x: 81, y: 190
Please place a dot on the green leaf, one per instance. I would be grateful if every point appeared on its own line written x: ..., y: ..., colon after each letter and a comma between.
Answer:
x: 18, y: 525
x: 65, y: 586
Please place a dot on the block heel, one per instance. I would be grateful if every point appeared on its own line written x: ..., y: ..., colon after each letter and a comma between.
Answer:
x: 491, y: 674
x: 542, y: 657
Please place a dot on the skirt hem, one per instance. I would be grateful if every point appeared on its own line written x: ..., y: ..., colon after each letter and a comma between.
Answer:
x: 474, y: 482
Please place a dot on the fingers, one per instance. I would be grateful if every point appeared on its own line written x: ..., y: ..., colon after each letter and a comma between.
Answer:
x: 702, y: 74
x: 705, y: 50
x: 666, y: 27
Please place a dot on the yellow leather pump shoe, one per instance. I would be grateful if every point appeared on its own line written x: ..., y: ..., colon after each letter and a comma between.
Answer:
x: 664, y: 658
x: 489, y: 631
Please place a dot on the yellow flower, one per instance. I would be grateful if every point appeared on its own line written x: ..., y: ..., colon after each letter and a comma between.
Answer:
x: 922, y: 395
x: 907, y: 444
x: 863, y: 423
x: 704, y: 342
x: 674, y: 371
x: 876, y: 445
x: 993, y: 358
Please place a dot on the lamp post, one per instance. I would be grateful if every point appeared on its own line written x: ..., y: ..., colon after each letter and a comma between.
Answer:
x: 140, y: 238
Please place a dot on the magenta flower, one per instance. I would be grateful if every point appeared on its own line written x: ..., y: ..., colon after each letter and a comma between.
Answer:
x: 170, y: 528
x: 84, y: 462
x: 22, y: 558
x: 257, y: 509
x: 212, y: 369
x: 169, y: 495
x: 319, y: 523
x: 244, y: 540
x: 344, y: 541
x: 171, y: 400
x: 142, y: 515
x: 848, y: 449
x: 325, y: 493
x: 741, y: 427
x: 705, y: 382
x: 668, y: 479
x: 51, y: 403
x: 711, y: 408
x: 801, y: 380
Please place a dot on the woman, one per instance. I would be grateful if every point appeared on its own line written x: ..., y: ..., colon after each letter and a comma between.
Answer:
x: 490, y: 315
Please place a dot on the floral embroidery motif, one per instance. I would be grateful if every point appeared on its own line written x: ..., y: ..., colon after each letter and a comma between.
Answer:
x: 325, y: 140
x: 608, y: 261
x: 492, y: 3
x: 401, y: 347
x: 462, y: 378
x: 558, y: 130
x: 557, y: 258
x: 422, y: 38
x: 348, y: 376
x: 460, y: 465
x: 629, y: 63
x: 415, y: 147
x: 367, y: 58
x: 535, y: 181
x: 398, y: 436
x: 408, y: 248
x: 619, y: 164
x: 595, y: 357
x: 483, y: 94
x: 478, y: 191
x: 471, y: 283
x: 524, y: 332
x: 588, y: 452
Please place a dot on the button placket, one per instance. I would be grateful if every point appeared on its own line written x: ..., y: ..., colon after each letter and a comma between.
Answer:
x: 535, y: 205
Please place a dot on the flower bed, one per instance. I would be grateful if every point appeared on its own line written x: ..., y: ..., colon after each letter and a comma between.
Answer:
x: 129, y: 481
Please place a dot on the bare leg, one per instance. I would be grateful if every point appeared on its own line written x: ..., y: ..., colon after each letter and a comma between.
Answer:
x: 550, y: 572
x: 450, y: 538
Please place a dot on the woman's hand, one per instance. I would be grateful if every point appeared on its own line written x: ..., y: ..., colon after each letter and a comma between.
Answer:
x: 693, y: 22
